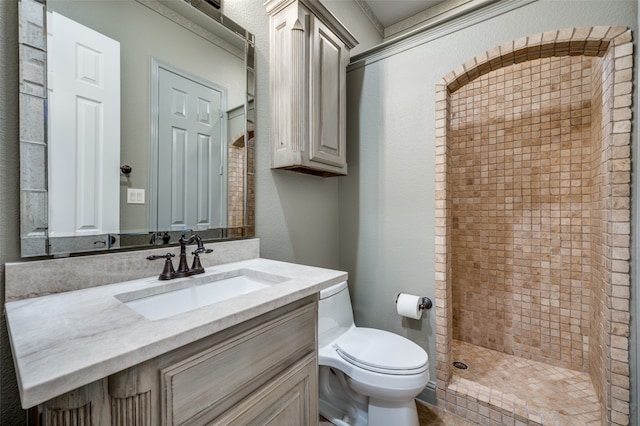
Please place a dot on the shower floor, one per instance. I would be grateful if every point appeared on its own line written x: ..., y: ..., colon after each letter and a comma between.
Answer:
x: 534, y: 392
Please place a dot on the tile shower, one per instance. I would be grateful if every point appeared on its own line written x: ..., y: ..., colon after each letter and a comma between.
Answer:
x: 241, y: 156
x: 533, y: 230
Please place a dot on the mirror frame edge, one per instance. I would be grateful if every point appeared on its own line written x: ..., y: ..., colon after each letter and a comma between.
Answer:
x: 32, y: 133
x: 32, y: 45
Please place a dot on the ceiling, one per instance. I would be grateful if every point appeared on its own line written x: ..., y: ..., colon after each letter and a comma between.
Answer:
x: 390, y: 12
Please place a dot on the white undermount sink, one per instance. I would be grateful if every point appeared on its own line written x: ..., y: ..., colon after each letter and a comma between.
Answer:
x: 186, y: 294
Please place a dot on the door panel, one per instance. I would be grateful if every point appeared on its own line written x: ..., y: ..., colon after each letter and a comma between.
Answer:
x: 330, y: 58
x: 84, y: 130
x: 190, y: 144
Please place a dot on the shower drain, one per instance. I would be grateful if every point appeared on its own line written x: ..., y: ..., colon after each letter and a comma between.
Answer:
x: 460, y: 365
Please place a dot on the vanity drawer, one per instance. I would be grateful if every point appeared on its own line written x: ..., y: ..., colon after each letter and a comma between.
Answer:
x: 201, y: 387
x: 289, y: 399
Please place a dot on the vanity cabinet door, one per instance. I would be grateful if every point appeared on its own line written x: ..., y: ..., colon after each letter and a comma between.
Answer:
x: 202, y: 387
x: 290, y: 399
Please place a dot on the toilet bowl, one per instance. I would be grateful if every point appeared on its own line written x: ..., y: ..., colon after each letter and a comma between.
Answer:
x: 367, y: 376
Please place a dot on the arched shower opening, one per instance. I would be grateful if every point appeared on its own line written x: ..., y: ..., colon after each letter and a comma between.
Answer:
x: 533, y: 230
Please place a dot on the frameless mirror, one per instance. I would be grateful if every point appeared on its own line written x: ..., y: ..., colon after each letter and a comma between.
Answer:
x: 149, y: 127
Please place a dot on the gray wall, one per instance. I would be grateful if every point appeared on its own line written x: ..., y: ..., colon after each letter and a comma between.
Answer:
x: 387, y: 201
x: 10, y: 412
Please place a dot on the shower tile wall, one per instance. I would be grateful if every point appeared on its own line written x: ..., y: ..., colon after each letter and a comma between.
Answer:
x: 235, y: 186
x: 533, y: 258
x: 520, y: 187
x: 599, y: 306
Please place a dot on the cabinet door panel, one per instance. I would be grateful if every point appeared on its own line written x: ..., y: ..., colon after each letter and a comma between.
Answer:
x: 290, y: 399
x: 203, y: 386
x: 328, y: 100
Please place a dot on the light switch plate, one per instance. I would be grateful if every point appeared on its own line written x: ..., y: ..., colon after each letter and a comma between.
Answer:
x: 135, y: 196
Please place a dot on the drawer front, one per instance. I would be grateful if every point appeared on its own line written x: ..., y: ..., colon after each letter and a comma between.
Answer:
x: 289, y: 399
x: 201, y: 387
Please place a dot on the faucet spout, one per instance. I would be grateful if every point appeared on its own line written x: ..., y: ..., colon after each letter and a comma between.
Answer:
x: 183, y: 266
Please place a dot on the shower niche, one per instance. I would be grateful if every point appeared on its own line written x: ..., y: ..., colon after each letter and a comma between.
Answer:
x: 533, y: 232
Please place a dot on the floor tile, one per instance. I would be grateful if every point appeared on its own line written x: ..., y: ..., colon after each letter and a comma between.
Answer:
x: 549, y: 395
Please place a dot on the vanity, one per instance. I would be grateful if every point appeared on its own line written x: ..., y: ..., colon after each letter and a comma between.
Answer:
x: 101, y: 340
x: 136, y: 352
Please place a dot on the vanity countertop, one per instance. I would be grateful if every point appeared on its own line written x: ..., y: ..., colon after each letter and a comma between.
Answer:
x: 66, y: 340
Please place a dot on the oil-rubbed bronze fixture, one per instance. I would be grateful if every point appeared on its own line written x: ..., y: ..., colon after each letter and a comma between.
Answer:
x: 169, y: 273
x: 126, y: 169
x: 155, y: 236
x: 111, y: 239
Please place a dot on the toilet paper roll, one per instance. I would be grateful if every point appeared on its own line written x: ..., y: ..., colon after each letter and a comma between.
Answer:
x: 408, y: 305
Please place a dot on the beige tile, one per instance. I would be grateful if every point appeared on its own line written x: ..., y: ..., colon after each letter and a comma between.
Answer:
x: 522, y: 387
x: 530, y: 155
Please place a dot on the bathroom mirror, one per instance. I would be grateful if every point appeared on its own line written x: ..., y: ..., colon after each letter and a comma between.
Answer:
x: 160, y: 142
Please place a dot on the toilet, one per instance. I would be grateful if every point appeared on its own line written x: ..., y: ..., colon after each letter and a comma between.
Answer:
x: 366, y: 376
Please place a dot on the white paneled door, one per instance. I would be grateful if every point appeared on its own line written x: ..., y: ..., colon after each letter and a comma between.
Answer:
x: 84, y: 129
x: 191, y: 153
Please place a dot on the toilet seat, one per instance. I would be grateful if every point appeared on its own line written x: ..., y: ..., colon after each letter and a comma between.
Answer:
x: 381, y: 352
x: 382, y: 383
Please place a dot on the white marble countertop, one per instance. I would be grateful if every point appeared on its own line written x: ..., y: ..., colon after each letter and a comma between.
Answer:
x: 63, y: 341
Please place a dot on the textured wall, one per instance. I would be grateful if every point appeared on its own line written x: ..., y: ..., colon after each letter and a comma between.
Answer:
x: 10, y: 411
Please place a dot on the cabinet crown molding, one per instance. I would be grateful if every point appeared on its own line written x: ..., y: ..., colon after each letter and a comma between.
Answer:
x: 321, y: 12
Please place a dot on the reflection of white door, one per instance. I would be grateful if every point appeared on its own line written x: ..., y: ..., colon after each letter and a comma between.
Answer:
x: 84, y: 130
x: 191, y: 154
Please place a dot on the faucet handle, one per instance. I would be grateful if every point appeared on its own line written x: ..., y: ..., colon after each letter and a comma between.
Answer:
x: 197, y: 268
x: 201, y: 250
x: 167, y: 271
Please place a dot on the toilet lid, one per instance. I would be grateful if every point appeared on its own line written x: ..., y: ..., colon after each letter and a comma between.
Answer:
x: 381, y: 351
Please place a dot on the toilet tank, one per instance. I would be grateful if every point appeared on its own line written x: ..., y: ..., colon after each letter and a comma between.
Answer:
x: 335, y: 315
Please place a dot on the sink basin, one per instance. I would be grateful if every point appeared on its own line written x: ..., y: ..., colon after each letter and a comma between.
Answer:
x: 187, y: 294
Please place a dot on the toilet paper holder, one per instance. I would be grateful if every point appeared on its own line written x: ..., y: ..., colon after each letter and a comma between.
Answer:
x: 425, y: 302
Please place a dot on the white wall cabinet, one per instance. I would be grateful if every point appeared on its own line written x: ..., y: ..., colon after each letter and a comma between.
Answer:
x: 263, y: 371
x: 309, y: 54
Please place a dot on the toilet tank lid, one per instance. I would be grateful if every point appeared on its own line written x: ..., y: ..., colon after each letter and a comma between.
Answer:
x: 330, y: 291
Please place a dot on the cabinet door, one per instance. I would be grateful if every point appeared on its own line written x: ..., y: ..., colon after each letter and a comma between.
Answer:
x: 329, y: 60
x: 290, y: 399
x: 204, y: 386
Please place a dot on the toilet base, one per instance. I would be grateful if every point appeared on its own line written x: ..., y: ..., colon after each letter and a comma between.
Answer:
x: 338, y: 403
x: 343, y: 407
x: 383, y: 413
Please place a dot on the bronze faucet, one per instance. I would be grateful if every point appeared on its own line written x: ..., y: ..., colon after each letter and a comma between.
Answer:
x: 169, y: 273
